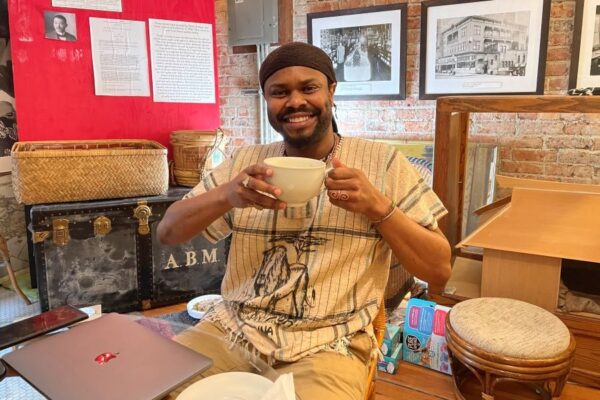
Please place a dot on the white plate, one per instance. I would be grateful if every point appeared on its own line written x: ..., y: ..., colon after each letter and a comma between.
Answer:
x: 228, y: 386
x: 199, y: 314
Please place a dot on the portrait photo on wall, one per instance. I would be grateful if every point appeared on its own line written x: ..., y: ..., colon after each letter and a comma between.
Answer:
x: 367, y: 47
x: 585, y: 61
x: 483, y: 47
x: 60, y: 26
x: 8, y: 119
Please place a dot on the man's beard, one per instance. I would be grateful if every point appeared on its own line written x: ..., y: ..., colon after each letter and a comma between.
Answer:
x: 324, y: 118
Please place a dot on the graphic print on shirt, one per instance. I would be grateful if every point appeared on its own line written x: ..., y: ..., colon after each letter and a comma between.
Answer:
x: 285, y: 284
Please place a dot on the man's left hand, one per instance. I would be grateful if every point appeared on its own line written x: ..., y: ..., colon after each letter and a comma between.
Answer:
x: 350, y: 189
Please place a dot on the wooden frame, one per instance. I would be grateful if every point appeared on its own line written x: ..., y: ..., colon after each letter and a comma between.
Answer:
x: 372, y: 43
x: 451, y: 135
x: 585, y: 52
x: 483, y: 47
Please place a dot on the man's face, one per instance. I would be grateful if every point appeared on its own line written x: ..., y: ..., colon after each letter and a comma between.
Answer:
x: 59, y: 25
x: 299, y: 104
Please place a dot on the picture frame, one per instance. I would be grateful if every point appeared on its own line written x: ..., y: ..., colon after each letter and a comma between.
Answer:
x: 483, y: 47
x: 372, y: 43
x: 585, y: 53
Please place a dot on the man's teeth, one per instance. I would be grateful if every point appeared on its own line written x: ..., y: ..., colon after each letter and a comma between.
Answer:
x: 299, y: 119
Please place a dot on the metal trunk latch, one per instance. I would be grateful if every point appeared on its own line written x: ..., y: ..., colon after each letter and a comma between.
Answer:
x: 102, y: 226
x: 40, y: 236
x: 142, y: 212
x: 60, y: 231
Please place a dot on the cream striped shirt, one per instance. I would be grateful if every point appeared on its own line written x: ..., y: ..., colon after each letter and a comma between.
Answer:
x: 304, y: 281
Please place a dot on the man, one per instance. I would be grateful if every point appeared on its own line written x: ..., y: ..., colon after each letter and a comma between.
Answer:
x: 303, y: 285
x: 59, y: 23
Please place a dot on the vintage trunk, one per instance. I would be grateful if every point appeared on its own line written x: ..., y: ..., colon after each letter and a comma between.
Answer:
x: 106, y: 252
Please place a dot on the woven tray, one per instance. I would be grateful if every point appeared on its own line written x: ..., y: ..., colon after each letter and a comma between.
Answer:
x: 56, y: 172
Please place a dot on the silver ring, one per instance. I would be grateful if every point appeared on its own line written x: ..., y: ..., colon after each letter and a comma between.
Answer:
x: 245, y: 182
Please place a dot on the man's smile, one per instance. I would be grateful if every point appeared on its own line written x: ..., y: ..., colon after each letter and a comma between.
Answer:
x: 298, y: 120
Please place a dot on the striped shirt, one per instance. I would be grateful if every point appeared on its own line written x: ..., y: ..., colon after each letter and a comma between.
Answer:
x: 302, y: 281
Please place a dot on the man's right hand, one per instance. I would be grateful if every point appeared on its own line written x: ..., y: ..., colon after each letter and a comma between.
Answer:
x: 250, y: 189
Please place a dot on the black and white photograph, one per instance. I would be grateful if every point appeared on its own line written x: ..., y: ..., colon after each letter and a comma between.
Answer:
x: 359, y: 53
x: 585, y: 61
x: 8, y: 119
x: 367, y: 47
x: 595, y: 64
x: 497, y: 45
x: 483, y: 47
x: 60, y: 26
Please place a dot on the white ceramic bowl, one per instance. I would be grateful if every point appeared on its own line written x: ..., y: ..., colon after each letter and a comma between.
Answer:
x: 228, y: 386
x: 204, y: 302
x: 300, y: 179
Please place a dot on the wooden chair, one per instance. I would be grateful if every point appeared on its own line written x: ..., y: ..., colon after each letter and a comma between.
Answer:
x: 379, y: 329
x: 11, y: 275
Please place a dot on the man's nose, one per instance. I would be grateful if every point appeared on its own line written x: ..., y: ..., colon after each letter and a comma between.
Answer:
x: 295, y: 99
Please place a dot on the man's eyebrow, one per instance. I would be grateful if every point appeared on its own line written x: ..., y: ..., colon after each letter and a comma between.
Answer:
x: 304, y: 82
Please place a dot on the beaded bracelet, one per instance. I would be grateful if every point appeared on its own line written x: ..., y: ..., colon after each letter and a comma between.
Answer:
x: 387, y: 215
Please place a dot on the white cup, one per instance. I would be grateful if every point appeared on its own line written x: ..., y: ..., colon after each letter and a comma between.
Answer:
x: 300, y: 179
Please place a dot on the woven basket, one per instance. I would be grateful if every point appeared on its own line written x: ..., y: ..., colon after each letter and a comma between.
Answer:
x: 56, y: 172
x: 191, y: 153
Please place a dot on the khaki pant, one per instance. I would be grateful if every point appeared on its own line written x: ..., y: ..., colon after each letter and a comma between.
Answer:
x: 324, y: 375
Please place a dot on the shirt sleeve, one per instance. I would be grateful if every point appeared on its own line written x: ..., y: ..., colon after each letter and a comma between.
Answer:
x: 411, y: 194
x: 221, y: 227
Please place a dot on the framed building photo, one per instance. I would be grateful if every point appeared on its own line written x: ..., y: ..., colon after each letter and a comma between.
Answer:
x: 585, y: 61
x: 483, y: 47
x: 367, y: 47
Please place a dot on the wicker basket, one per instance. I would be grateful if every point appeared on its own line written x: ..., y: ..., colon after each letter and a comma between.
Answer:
x: 62, y: 171
x: 192, y: 151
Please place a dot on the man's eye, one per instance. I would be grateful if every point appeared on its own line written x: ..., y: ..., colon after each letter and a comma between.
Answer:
x: 277, y: 93
x: 311, y: 88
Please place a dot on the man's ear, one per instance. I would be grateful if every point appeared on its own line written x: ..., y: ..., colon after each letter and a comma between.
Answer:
x: 332, y: 88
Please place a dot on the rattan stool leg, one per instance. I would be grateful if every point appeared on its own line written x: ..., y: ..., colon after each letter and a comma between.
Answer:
x: 558, y: 388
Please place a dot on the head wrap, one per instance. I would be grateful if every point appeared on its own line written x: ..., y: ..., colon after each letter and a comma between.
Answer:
x: 296, y: 54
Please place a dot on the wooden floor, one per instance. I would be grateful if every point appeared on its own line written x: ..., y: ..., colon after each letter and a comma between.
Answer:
x: 412, y: 382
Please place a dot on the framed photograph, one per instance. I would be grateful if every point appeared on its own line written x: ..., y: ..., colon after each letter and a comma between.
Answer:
x: 585, y: 61
x: 8, y: 118
x: 483, y: 47
x: 367, y: 47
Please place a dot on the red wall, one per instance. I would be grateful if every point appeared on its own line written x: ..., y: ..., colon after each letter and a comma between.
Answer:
x: 54, y: 83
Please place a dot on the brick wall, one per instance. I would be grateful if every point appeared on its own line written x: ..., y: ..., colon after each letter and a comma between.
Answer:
x: 564, y: 147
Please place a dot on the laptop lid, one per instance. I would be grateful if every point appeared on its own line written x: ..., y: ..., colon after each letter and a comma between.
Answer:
x: 112, y: 357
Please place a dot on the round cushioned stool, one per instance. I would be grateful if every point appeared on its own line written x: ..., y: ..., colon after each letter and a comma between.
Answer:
x: 500, y: 340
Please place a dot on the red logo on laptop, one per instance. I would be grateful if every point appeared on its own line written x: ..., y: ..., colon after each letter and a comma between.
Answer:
x: 105, y: 357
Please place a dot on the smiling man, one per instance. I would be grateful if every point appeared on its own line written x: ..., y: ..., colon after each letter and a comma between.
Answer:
x: 303, y: 285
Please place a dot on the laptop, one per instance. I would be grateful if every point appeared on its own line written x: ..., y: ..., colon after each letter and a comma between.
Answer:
x: 112, y: 357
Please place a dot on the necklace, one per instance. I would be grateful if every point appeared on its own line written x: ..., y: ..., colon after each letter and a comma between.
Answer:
x: 337, y: 144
